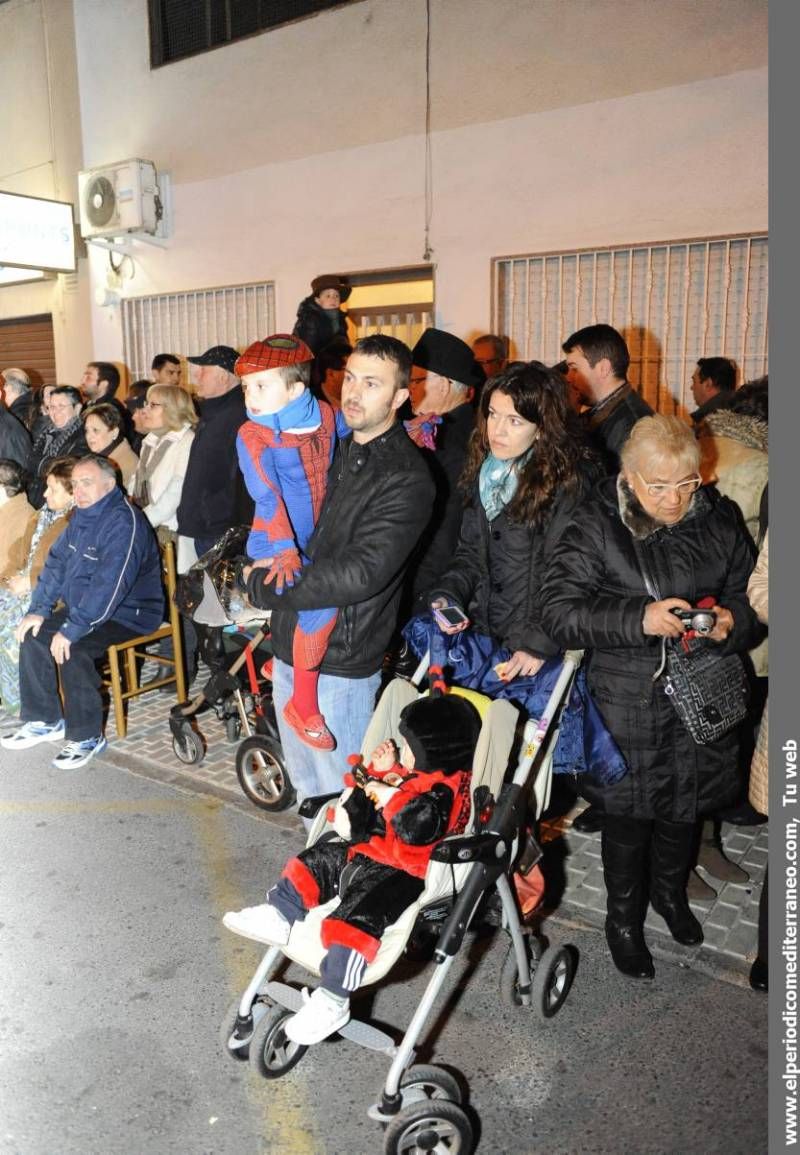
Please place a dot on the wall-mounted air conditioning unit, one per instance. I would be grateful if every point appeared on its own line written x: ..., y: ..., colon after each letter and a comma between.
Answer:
x: 120, y: 198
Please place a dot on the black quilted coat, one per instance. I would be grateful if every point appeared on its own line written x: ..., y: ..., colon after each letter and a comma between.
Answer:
x: 594, y: 598
x: 498, y: 568
x: 317, y: 326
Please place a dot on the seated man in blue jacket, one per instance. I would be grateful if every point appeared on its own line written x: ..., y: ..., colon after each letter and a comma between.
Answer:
x: 101, y: 584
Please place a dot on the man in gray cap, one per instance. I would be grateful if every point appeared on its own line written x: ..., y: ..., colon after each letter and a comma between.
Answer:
x: 214, y: 496
x: 444, y: 377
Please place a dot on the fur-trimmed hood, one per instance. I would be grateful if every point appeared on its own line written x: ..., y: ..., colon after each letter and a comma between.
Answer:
x: 741, y: 427
x: 640, y: 523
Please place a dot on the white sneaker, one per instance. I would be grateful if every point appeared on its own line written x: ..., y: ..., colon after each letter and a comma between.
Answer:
x: 76, y: 754
x: 263, y: 923
x: 322, y: 1015
x: 32, y: 733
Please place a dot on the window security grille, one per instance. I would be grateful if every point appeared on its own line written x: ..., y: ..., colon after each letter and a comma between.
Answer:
x: 189, y: 323
x: 673, y: 303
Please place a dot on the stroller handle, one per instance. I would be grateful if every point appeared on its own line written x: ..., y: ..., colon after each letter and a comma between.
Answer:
x: 536, y: 731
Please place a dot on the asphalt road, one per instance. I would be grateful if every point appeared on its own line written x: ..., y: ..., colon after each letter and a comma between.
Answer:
x: 116, y: 973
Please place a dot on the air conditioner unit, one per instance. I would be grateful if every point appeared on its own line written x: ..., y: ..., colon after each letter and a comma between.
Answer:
x: 119, y: 198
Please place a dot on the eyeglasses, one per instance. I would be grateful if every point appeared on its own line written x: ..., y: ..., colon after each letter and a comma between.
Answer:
x: 659, y: 489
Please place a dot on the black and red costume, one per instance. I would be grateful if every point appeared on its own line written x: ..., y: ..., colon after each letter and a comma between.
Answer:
x: 379, y: 871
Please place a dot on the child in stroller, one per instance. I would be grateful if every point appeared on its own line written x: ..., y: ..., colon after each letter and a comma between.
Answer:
x: 422, y: 1106
x: 388, y: 821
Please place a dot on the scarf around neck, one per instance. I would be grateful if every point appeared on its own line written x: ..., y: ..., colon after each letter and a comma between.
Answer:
x: 498, y: 481
x: 109, y: 449
x: 50, y: 441
x: 303, y: 414
x: 422, y: 429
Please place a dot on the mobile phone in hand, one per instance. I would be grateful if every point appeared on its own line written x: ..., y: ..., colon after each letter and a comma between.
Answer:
x: 448, y: 616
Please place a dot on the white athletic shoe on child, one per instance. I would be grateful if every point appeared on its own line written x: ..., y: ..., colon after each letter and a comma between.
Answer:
x: 263, y: 923
x: 322, y: 1015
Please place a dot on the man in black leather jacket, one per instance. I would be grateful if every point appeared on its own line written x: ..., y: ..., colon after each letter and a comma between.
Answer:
x: 378, y: 502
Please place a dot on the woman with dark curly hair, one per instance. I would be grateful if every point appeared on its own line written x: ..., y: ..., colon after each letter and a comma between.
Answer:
x: 526, y: 470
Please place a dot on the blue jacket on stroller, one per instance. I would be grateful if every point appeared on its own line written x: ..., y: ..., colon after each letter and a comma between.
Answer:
x: 584, y: 745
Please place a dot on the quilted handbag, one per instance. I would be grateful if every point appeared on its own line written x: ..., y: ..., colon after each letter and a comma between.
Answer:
x: 708, y: 692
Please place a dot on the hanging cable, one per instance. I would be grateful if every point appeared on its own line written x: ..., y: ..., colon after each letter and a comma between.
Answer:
x: 428, y: 251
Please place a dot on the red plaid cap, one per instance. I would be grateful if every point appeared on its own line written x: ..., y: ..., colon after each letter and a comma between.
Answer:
x: 272, y: 353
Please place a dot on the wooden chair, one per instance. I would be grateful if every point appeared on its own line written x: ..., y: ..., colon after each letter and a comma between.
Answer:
x: 124, y: 678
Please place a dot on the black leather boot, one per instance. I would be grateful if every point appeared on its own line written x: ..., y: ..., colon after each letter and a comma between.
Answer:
x: 670, y: 862
x: 589, y: 821
x: 625, y: 844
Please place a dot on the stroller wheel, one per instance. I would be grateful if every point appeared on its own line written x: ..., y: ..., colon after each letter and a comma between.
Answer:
x: 424, y: 1082
x: 271, y: 1053
x: 509, y: 978
x: 552, y: 980
x: 188, y: 746
x: 233, y: 728
x: 240, y: 1052
x: 435, y: 1125
x: 262, y: 775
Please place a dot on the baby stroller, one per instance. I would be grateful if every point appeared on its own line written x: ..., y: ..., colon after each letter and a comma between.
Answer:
x: 235, y: 644
x: 421, y: 1107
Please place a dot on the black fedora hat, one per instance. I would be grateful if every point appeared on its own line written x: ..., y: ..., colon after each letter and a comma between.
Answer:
x: 449, y: 356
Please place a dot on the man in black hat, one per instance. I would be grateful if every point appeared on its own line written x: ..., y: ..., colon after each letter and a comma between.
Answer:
x: 319, y: 318
x: 214, y: 496
x: 444, y: 377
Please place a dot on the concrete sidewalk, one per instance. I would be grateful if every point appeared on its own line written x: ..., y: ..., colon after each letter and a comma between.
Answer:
x: 572, y: 861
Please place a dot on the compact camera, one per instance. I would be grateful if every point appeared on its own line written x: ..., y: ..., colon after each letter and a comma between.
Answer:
x: 701, y: 621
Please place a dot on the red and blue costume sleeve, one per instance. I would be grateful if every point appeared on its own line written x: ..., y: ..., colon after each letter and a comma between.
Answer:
x: 286, y: 475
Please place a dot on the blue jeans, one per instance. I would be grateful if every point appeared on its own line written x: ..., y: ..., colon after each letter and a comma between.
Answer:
x: 347, y: 705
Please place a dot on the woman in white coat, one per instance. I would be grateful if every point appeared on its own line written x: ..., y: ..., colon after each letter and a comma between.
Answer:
x: 169, y: 418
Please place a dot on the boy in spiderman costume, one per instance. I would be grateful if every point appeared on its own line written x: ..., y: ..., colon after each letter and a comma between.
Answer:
x: 285, y: 450
x: 389, y: 818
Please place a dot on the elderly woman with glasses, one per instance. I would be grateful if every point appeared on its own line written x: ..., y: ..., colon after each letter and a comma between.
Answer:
x: 168, y: 421
x: 657, y: 518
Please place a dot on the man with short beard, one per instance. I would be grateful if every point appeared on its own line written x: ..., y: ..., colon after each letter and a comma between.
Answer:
x: 377, y: 503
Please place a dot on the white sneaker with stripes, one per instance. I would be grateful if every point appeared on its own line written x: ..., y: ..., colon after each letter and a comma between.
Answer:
x: 323, y: 1014
x: 32, y: 733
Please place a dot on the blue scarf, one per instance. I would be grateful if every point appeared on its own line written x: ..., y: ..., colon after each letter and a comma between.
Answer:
x: 302, y: 413
x: 498, y: 481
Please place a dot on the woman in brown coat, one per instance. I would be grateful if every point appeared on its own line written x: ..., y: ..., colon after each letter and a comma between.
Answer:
x: 15, y: 509
x: 105, y: 435
x: 26, y: 559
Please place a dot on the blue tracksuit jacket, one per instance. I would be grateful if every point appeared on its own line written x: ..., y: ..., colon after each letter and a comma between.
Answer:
x: 105, y: 566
